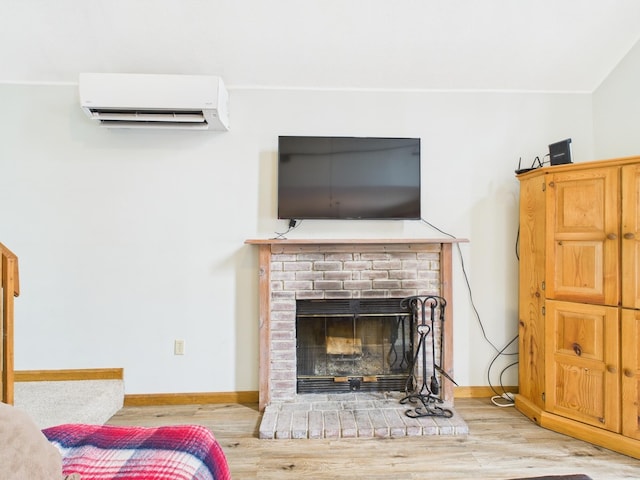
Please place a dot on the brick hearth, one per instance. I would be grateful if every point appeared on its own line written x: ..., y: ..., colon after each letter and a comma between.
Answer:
x: 352, y: 415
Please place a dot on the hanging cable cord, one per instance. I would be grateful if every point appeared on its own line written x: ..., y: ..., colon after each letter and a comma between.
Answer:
x: 499, y: 399
x: 292, y: 225
x: 499, y: 352
x: 506, y: 395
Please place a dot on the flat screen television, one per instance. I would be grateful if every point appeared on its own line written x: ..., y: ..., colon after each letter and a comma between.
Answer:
x: 348, y: 178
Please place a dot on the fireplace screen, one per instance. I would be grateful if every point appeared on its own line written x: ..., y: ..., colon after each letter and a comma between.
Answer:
x: 357, y: 344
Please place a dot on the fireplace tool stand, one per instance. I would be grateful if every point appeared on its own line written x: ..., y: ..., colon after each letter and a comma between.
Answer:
x: 425, y: 395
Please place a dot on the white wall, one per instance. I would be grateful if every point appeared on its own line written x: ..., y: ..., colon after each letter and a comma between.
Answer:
x: 616, y: 109
x: 128, y: 240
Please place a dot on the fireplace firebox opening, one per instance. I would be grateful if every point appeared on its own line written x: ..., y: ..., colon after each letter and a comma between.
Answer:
x: 354, y: 345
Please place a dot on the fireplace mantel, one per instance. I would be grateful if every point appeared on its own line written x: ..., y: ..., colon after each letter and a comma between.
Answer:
x: 275, y: 246
x: 352, y: 241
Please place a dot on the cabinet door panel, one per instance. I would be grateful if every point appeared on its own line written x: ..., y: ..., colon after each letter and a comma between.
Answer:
x: 583, y: 241
x: 631, y: 236
x: 631, y: 373
x: 531, y: 294
x: 582, y: 366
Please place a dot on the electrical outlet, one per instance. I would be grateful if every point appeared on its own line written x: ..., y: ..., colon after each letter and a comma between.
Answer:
x: 178, y: 347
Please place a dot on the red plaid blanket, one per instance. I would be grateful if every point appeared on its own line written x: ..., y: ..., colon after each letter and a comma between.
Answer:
x: 101, y: 452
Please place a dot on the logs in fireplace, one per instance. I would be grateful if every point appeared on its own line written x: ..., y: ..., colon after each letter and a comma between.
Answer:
x: 354, y: 345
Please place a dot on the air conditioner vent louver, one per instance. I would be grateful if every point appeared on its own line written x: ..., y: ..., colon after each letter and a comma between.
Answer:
x: 155, y: 101
x: 188, y: 119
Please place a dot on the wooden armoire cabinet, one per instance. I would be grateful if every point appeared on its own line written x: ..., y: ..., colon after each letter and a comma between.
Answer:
x: 579, y: 301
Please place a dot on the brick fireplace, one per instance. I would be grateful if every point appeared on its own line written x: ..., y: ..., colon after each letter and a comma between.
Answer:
x: 294, y: 269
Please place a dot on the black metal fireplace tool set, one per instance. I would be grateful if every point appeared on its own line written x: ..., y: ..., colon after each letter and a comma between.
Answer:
x: 428, y: 311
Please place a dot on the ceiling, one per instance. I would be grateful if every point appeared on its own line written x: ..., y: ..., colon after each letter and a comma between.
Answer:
x: 530, y: 45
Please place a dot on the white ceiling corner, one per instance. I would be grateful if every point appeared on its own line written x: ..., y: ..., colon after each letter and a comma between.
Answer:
x: 532, y: 45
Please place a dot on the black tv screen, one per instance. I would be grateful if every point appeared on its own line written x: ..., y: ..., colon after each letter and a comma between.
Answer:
x: 348, y: 178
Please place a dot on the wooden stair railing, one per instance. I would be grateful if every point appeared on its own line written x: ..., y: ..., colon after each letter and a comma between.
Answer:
x: 10, y: 288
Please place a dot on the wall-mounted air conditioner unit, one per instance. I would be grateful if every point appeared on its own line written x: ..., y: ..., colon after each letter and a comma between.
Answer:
x: 122, y: 100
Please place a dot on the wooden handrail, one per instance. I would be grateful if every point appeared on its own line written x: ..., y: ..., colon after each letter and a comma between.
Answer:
x: 10, y: 289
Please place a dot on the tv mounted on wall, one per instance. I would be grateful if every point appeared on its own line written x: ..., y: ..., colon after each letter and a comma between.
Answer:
x: 348, y: 178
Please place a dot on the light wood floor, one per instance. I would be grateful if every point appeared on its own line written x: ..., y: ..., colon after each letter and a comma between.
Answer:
x: 502, y: 444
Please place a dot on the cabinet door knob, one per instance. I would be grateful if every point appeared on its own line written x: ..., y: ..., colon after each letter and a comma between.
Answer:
x: 629, y: 236
x: 628, y: 373
x: 577, y: 349
x: 611, y: 369
x: 612, y: 236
